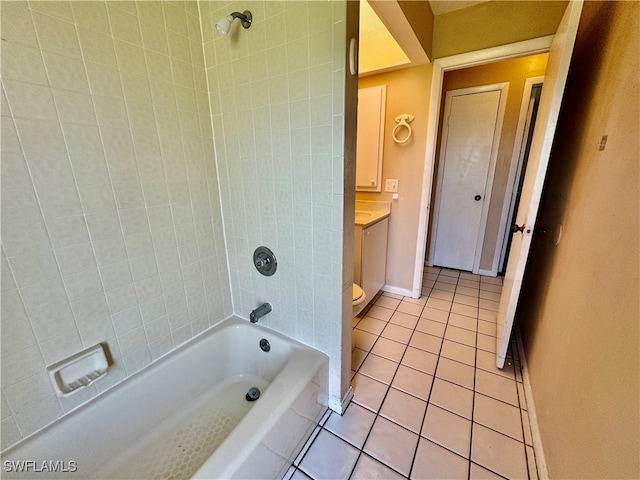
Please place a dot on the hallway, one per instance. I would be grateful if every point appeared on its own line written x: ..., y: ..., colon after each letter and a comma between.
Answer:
x: 428, y: 399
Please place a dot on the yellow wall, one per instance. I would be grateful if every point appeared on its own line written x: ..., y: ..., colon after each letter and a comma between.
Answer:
x: 495, y: 23
x: 407, y: 92
x: 580, y: 310
x: 455, y: 32
x: 514, y: 71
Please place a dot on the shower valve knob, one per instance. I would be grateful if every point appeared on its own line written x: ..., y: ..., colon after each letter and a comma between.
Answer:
x: 261, y: 263
x: 265, y: 261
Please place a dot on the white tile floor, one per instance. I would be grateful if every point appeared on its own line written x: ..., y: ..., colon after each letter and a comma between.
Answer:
x: 428, y: 399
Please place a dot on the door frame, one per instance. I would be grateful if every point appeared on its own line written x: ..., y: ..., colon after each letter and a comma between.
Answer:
x: 503, y: 87
x: 440, y: 66
x: 515, y: 172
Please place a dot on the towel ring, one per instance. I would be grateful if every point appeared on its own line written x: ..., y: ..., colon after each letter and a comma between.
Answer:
x: 403, y: 121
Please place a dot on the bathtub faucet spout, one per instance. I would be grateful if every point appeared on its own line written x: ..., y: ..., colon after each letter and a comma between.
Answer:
x: 259, y: 312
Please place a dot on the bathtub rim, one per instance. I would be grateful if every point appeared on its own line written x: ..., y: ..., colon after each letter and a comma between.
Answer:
x: 218, y: 464
x: 231, y: 322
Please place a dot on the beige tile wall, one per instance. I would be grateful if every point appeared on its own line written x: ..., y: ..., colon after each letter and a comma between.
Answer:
x: 277, y: 93
x: 111, y: 221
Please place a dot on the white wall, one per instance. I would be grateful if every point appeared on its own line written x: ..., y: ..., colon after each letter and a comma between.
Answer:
x: 111, y: 222
x: 114, y: 228
x: 277, y: 99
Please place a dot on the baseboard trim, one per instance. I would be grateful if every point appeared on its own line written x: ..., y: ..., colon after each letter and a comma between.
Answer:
x: 541, y: 463
x: 487, y: 273
x: 397, y: 290
x: 340, y: 407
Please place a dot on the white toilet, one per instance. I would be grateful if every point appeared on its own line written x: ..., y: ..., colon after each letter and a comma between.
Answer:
x: 359, y: 298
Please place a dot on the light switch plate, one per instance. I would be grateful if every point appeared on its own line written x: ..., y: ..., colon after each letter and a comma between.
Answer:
x: 391, y: 185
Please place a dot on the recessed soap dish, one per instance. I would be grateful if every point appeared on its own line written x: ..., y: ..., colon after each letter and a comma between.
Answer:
x: 78, y: 371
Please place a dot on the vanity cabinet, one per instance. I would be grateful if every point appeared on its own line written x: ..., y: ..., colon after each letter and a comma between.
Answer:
x: 370, y: 257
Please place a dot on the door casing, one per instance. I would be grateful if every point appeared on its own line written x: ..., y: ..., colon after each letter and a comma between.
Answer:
x: 515, y: 173
x: 440, y: 66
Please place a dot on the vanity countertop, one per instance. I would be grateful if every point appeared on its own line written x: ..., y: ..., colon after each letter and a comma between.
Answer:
x: 366, y: 218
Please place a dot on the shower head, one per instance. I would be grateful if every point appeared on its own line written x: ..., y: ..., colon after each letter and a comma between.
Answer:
x: 224, y: 24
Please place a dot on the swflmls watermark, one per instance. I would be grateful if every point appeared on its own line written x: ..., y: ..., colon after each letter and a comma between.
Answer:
x: 40, y: 466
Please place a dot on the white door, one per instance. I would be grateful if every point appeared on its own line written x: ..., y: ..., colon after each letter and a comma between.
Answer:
x: 555, y: 80
x: 470, y: 138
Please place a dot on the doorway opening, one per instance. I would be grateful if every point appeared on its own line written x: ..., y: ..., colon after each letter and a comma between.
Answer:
x: 528, y: 111
x: 480, y: 240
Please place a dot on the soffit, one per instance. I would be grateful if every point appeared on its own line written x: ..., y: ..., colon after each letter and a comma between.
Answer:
x: 379, y: 49
x: 438, y: 7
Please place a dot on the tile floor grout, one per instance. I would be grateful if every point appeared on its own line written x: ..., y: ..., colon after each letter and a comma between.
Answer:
x: 473, y: 399
x: 424, y: 415
x: 302, y: 471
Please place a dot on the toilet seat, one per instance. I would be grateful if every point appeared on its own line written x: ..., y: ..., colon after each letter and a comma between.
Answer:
x: 358, y: 295
x: 359, y: 298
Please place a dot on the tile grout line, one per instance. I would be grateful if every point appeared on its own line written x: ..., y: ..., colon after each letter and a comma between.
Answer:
x: 360, y: 450
x: 434, y: 377
x: 473, y: 397
x: 377, y: 413
x: 306, y: 448
x: 424, y: 416
x: 506, y: 403
x: 518, y: 365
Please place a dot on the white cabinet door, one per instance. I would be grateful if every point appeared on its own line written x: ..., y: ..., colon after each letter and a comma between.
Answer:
x: 357, y: 255
x: 370, y: 138
x: 374, y: 258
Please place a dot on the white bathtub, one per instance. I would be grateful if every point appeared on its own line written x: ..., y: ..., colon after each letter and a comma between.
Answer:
x: 186, y: 416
